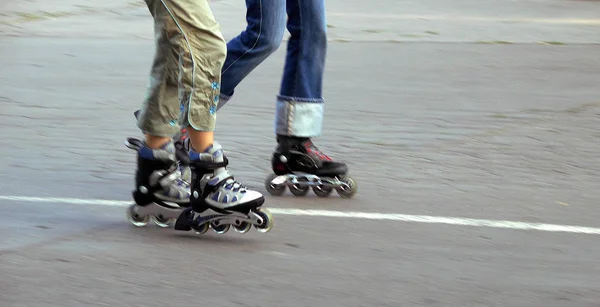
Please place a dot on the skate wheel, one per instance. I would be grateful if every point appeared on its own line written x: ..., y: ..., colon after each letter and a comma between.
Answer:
x: 348, y: 189
x: 274, y: 189
x: 135, y: 219
x: 220, y: 229
x: 298, y: 189
x: 322, y: 191
x: 163, y: 222
x: 202, y: 229
x: 243, y: 227
x: 267, y: 220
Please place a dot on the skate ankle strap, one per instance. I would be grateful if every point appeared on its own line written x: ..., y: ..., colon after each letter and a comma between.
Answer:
x: 181, y: 154
x: 209, y: 166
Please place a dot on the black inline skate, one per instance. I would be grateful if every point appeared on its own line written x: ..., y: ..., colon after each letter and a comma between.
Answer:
x: 298, y: 164
x: 218, y: 201
x: 163, y: 190
x: 161, y: 193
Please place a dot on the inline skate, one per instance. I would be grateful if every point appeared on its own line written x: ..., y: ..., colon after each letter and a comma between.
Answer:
x: 218, y: 201
x: 298, y: 164
x: 165, y: 178
x: 161, y: 194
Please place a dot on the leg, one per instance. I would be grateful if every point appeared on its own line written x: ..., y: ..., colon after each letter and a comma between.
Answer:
x: 299, y: 113
x: 160, y: 109
x: 188, y: 27
x: 160, y: 190
x: 262, y: 36
x: 158, y: 120
x: 216, y: 197
x: 306, y: 51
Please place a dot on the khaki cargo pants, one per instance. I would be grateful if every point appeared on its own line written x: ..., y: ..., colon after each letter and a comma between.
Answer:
x: 185, y: 79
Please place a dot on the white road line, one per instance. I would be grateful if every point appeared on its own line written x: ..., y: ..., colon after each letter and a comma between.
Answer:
x: 572, y: 21
x: 458, y: 221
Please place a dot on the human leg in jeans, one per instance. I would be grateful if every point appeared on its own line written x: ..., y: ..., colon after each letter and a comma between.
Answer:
x: 187, y: 31
x: 262, y: 36
x: 299, y: 107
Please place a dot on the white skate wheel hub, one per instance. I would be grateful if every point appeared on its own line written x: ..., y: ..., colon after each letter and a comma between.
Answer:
x: 143, y: 189
x: 283, y: 159
x: 195, y: 194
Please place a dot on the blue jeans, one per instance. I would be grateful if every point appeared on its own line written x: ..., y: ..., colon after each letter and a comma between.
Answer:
x: 299, y: 106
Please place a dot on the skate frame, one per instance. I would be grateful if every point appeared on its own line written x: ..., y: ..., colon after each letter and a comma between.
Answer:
x: 311, y: 181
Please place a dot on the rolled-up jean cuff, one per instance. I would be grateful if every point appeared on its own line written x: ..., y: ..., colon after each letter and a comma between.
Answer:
x: 223, y: 99
x: 300, y: 117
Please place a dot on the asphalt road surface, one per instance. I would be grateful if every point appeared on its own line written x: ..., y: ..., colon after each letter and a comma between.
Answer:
x: 471, y: 128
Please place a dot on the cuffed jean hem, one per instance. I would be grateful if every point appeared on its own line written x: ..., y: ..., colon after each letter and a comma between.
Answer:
x: 223, y: 99
x: 300, y: 117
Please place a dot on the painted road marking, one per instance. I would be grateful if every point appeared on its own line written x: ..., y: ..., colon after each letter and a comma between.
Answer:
x: 457, y: 221
x: 557, y: 21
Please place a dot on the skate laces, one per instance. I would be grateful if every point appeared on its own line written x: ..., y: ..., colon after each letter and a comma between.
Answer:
x: 313, y: 150
x: 234, y: 185
x: 227, y: 181
x: 226, y: 191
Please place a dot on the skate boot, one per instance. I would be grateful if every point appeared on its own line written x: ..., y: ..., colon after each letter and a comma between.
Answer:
x: 218, y: 201
x: 161, y: 194
x: 179, y: 140
x: 299, y: 164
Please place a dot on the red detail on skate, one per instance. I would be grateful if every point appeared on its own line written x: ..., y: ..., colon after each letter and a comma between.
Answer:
x: 280, y: 167
x: 319, y: 154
